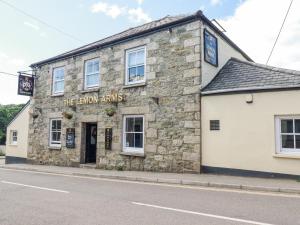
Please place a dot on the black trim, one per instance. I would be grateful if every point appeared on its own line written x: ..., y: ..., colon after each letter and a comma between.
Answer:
x: 15, y: 160
x: 197, y: 16
x: 217, y: 48
x: 246, y: 173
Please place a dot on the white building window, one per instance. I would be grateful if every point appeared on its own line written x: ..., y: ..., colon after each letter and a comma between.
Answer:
x: 288, y: 134
x: 92, y: 73
x: 55, y: 132
x: 58, y: 81
x: 133, y: 135
x: 14, y: 137
x: 135, y: 65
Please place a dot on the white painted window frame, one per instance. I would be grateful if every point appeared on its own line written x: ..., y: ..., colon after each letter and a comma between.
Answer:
x: 279, y: 149
x: 131, y: 149
x: 12, y: 141
x: 90, y: 74
x: 51, y: 142
x: 128, y: 51
x: 54, y: 80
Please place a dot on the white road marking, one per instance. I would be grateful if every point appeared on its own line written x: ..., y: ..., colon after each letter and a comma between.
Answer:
x: 31, y: 186
x: 285, y: 195
x: 202, y: 214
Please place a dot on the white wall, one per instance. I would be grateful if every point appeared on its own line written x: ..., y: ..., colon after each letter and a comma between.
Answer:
x: 225, y: 52
x: 20, y: 124
x: 246, y: 139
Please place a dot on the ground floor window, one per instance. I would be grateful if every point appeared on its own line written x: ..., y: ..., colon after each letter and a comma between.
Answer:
x: 55, y: 132
x: 288, y: 134
x: 133, y: 134
x: 14, y: 137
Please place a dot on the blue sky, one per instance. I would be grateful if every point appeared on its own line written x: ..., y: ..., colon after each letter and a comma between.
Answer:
x: 24, y: 40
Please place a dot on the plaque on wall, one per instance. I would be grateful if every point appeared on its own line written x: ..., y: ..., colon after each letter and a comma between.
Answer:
x: 70, y: 138
x: 108, y: 138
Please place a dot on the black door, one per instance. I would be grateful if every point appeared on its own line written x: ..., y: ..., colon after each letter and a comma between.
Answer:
x: 91, y: 143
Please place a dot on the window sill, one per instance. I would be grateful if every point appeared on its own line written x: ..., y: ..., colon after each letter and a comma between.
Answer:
x: 134, y: 85
x: 13, y: 145
x: 57, y: 95
x: 54, y: 148
x: 137, y: 154
x: 96, y: 89
x: 287, y: 155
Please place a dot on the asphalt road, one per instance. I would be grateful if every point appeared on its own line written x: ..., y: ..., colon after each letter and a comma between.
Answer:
x: 29, y: 198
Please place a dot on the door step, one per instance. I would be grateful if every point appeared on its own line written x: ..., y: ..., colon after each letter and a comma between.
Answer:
x: 88, y: 165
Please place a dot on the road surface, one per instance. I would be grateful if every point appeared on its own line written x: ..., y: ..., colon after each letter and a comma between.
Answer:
x: 33, y: 198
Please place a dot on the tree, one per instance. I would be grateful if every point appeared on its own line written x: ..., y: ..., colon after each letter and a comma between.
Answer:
x: 7, y: 113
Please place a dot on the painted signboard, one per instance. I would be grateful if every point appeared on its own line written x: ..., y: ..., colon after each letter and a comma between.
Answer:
x: 25, y: 85
x: 210, y: 48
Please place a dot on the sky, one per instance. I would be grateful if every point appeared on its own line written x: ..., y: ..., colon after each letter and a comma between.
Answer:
x: 252, y: 24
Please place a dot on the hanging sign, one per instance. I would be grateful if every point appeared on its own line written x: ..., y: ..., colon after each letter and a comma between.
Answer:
x: 70, y: 138
x: 25, y: 85
x: 210, y: 48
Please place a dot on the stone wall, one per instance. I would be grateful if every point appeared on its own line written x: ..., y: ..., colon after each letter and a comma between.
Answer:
x: 169, y: 101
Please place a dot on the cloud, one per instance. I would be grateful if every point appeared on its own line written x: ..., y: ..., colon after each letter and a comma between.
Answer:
x: 254, y: 30
x: 136, y: 15
x: 140, y: 1
x: 31, y: 25
x: 215, y: 2
x: 110, y: 10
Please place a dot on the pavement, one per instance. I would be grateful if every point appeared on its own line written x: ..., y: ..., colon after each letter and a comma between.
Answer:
x: 202, y: 180
x: 30, y: 197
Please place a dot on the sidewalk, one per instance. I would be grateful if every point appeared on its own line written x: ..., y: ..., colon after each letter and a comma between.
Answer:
x: 202, y: 180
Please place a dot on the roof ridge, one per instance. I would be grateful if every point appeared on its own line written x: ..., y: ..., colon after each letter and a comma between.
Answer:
x: 263, y: 66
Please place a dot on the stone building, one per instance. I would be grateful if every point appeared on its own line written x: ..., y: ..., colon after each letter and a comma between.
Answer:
x: 130, y: 101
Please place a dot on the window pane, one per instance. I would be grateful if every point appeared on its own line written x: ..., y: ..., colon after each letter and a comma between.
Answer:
x: 132, y: 74
x: 58, y: 74
x: 286, y: 126
x: 138, y: 125
x: 140, y: 72
x: 54, y: 136
x: 129, y: 140
x: 59, y: 86
x: 131, y: 59
x: 129, y: 124
x: 297, y: 126
x: 287, y: 141
x: 96, y: 66
x: 58, y: 124
x: 89, y: 67
x: 92, y: 80
x: 58, y: 136
x: 53, y: 124
x: 140, y: 57
x: 298, y: 141
x: 138, y: 140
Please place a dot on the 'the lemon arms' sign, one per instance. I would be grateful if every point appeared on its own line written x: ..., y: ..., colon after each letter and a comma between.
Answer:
x: 111, y: 98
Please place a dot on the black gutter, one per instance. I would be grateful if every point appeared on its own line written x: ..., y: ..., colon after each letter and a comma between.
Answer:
x: 197, y: 16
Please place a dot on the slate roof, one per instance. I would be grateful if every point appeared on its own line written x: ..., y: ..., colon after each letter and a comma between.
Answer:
x: 154, y: 26
x: 238, y: 76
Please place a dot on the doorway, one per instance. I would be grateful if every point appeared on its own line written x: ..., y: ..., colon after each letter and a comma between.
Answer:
x: 91, y: 143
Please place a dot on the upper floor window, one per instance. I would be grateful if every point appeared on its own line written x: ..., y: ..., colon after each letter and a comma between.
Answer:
x: 288, y: 134
x: 135, y: 65
x: 55, y: 132
x: 58, y: 80
x: 91, y: 73
x: 14, y: 137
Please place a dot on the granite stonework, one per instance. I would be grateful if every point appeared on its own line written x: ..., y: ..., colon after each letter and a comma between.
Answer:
x: 169, y: 101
